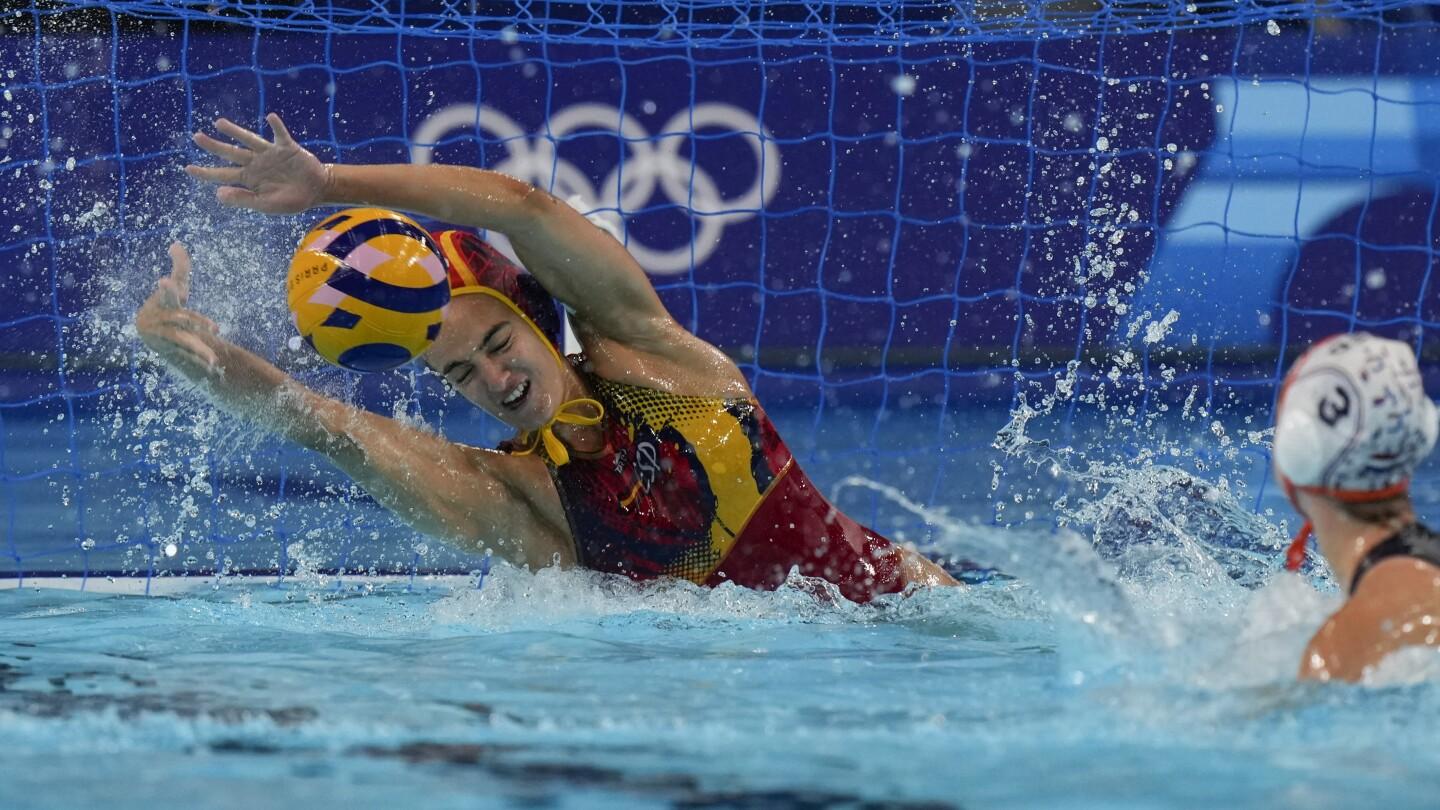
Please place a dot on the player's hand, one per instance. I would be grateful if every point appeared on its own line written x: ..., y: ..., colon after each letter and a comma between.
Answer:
x: 183, y: 338
x: 273, y: 178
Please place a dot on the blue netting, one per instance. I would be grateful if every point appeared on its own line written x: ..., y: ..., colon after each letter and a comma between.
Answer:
x: 900, y: 219
x: 677, y: 26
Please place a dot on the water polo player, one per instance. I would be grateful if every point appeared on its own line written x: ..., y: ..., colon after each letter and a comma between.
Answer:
x: 645, y: 456
x: 1352, y: 425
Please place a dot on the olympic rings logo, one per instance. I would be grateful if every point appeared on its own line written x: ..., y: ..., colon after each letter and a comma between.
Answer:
x: 654, y: 163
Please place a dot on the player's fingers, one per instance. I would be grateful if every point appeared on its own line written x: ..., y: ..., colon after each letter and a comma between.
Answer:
x: 225, y: 151
x: 282, y: 135
x: 180, y: 270
x: 184, y: 320
x: 195, y: 322
x: 166, y: 295
x: 241, y: 134
x: 215, y: 174
x: 194, y: 351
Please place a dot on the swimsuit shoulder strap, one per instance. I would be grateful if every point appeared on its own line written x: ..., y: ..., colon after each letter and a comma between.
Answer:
x: 1415, y: 540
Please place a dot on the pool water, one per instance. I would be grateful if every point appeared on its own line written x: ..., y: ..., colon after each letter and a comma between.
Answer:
x: 571, y: 689
x: 1140, y: 651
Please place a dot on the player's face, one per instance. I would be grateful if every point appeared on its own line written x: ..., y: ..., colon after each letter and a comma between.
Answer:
x: 495, y: 360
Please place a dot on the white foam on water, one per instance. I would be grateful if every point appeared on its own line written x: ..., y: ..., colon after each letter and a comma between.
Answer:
x: 512, y: 598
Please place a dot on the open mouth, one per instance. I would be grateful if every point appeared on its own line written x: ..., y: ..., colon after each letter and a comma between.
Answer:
x: 517, y: 396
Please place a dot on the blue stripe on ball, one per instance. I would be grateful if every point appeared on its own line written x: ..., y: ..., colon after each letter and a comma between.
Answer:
x: 374, y: 357
x: 377, y: 293
x: 369, y: 229
x: 332, y: 222
x: 340, y: 319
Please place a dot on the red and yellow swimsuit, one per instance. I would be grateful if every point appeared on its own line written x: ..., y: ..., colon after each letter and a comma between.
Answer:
x: 703, y: 488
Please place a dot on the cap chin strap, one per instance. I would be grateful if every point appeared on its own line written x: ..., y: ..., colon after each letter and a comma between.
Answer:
x: 570, y: 413
x: 1295, y: 553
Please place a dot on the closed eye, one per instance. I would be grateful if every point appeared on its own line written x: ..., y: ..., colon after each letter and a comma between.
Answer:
x: 465, y: 369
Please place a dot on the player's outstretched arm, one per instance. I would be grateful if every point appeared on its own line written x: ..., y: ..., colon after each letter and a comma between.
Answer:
x: 578, y: 263
x: 450, y: 491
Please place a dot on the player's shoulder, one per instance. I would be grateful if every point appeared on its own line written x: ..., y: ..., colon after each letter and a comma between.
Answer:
x: 1397, y: 605
x: 1399, y: 588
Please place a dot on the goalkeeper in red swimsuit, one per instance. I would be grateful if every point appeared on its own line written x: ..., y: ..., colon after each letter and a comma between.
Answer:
x: 647, y: 455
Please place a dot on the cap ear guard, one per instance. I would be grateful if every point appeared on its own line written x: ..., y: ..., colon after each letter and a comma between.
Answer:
x: 539, y: 305
x: 1430, y: 422
x: 1293, y: 450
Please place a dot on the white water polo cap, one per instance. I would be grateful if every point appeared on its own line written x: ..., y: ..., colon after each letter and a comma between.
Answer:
x: 1353, y: 423
x: 1353, y: 416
